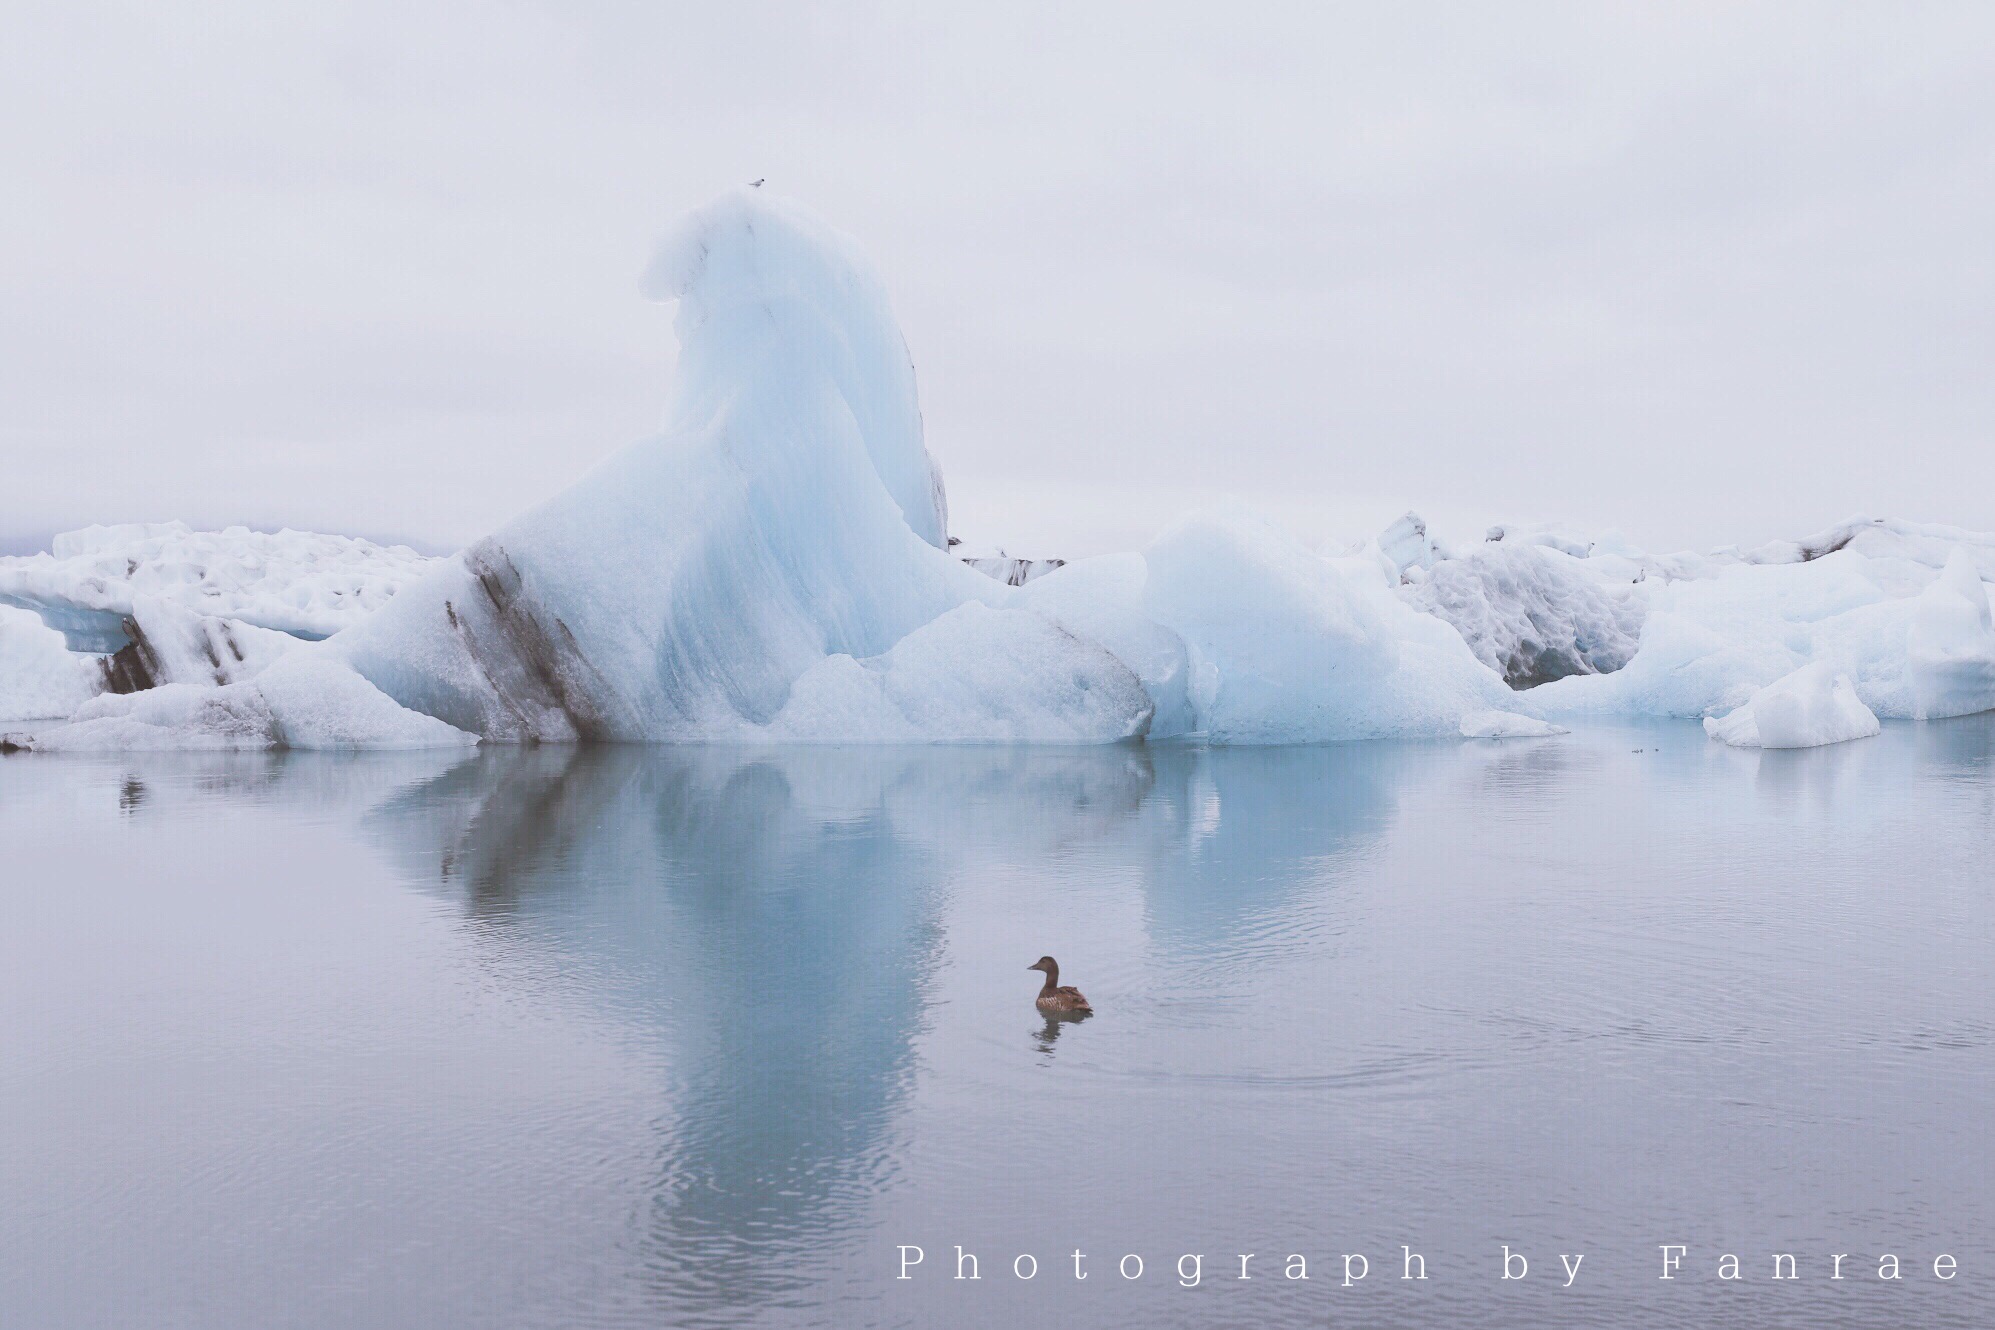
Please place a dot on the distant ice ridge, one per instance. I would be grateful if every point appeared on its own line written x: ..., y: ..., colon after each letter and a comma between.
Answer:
x: 775, y: 566
x: 1911, y: 638
x: 1609, y: 630
x: 1012, y: 571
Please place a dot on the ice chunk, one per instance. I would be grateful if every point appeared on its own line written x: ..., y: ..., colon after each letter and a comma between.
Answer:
x: 1507, y: 725
x: 1950, y: 647
x: 1532, y: 613
x: 1284, y: 648
x: 170, y: 716
x: 39, y: 677
x: 307, y: 700
x: 1405, y: 544
x: 1814, y: 705
x: 316, y: 702
x: 974, y: 675
x: 1101, y: 599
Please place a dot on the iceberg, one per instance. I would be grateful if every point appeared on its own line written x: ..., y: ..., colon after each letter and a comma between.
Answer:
x: 747, y: 574
x: 1813, y: 706
x: 774, y: 565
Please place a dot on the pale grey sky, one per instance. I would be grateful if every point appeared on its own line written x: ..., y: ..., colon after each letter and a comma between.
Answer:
x: 1700, y: 272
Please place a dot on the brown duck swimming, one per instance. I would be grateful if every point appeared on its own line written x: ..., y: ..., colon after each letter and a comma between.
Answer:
x: 1053, y: 999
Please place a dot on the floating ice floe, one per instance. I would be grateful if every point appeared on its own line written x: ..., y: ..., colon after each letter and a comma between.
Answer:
x: 1813, y: 706
x: 775, y: 566
x: 1507, y: 725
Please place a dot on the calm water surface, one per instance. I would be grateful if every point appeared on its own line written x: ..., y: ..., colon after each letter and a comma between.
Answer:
x: 628, y: 1037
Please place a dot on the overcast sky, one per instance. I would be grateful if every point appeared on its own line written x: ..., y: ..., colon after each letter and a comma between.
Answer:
x: 1702, y: 273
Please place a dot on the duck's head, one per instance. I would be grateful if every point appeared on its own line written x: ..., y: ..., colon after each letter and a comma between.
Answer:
x: 1044, y: 963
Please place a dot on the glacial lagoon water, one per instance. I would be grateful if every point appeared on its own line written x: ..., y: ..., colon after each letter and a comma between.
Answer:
x: 647, y: 1037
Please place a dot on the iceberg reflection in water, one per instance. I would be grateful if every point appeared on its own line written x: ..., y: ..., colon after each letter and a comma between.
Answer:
x: 699, y: 1036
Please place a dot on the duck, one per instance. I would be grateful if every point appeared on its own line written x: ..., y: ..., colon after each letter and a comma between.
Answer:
x: 1054, y: 999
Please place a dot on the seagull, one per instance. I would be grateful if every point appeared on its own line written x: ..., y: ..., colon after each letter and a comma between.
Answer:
x: 756, y: 184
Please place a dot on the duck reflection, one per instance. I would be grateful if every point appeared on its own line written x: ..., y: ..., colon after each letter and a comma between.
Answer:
x: 1052, y: 1024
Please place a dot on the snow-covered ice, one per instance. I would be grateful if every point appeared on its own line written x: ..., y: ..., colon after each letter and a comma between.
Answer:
x: 1813, y: 706
x: 302, y: 583
x: 1532, y: 612
x: 775, y: 565
x: 145, y: 605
